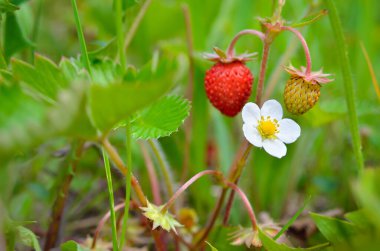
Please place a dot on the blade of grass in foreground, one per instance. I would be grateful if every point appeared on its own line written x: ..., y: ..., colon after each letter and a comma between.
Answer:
x: 111, y: 198
x: 347, y: 80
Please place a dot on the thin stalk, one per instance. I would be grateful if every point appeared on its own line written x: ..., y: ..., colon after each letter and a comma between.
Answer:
x: 186, y: 185
x: 304, y: 45
x: 347, y: 81
x: 240, y: 157
x: 82, y: 41
x: 246, y: 204
x: 59, y: 203
x: 120, y: 33
x: 189, y: 91
x: 163, y: 167
x: 292, y: 220
x: 132, y: 31
x: 234, y: 178
x: 263, y: 67
x: 128, y: 184
x: 114, y: 156
x: 111, y: 199
x: 230, y: 50
x: 152, y: 175
x: 36, y: 26
x: 371, y: 70
x: 102, y: 222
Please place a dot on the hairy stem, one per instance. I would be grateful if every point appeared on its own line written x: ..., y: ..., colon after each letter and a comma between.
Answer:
x: 240, y: 157
x: 230, y: 50
x: 263, y: 68
x: 304, y: 45
x: 246, y: 204
x: 186, y: 185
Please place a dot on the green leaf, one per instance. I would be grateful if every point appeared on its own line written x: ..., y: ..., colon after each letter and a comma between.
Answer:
x: 211, y: 246
x: 26, y: 121
x: 360, y: 219
x: 161, y: 118
x: 334, y: 230
x: 44, y: 77
x: 73, y: 246
x: 28, y: 238
x: 272, y: 245
x: 310, y: 18
x: 106, y: 49
x: 14, y: 37
x: 115, y: 102
x: 6, y: 6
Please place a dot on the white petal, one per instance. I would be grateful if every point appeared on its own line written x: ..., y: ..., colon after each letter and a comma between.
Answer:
x: 252, y: 135
x: 289, y: 131
x: 251, y: 114
x: 272, y: 108
x: 275, y: 147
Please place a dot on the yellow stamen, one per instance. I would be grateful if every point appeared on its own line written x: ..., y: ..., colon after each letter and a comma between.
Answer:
x: 268, y: 128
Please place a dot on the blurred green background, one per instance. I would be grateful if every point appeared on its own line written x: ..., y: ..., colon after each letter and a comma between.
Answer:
x: 321, y: 163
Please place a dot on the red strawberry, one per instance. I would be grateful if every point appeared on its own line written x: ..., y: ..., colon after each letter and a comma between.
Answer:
x: 228, y: 86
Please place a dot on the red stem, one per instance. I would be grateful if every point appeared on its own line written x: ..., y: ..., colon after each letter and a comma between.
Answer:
x: 304, y: 45
x: 152, y: 176
x: 263, y: 68
x: 246, y: 204
x: 230, y: 50
x: 186, y: 185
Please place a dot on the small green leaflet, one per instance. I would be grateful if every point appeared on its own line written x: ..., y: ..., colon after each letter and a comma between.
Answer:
x: 14, y: 37
x: 28, y: 238
x: 310, y: 18
x: 161, y: 118
x: 44, y: 77
x: 211, y: 246
x: 73, y: 246
x: 272, y: 245
x: 112, y: 103
x: 334, y: 230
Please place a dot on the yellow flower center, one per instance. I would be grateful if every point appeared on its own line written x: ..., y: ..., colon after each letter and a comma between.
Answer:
x: 268, y: 127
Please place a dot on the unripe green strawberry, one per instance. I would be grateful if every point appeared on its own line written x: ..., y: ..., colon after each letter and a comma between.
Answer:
x: 228, y: 83
x: 300, y: 96
x: 302, y: 90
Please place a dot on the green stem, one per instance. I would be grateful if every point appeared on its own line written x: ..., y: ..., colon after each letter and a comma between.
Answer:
x: 132, y: 31
x: 36, y: 26
x: 111, y: 198
x: 82, y: 41
x: 128, y: 183
x: 163, y: 167
x: 120, y: 33
x: 348, y: 82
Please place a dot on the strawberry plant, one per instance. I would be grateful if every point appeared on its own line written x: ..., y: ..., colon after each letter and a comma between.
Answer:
x: 118, y: 133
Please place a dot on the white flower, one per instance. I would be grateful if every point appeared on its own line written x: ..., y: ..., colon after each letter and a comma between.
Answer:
x: 265, y: 127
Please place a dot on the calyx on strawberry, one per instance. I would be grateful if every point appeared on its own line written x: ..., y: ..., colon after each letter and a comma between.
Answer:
x: 228, y: 83
x: 302, y: 90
